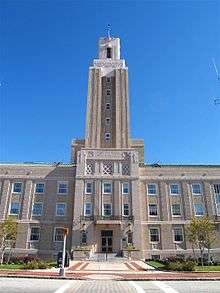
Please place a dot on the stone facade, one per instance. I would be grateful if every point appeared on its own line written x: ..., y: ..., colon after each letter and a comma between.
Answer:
x: 107, y: 197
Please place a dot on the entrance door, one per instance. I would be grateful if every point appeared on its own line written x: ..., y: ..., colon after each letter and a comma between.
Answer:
x: 106, y: 237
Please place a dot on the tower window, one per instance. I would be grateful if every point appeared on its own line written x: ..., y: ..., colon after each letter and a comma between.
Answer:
x: 107, y: 106
x: 108, y: 79
x: 107, y: 136
x: 107, y: 121
x: 109, y: 53
x: 108, y: 92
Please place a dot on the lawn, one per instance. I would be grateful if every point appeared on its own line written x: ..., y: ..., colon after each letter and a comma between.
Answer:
x: 207, y: 268
x: 155, y: 264
x: 11, y: 267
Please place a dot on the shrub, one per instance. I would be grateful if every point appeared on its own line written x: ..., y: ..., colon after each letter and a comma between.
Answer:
x: 23, y: 259
x: 42, y: 265
x: 182, y: 265
x: 32, y: 265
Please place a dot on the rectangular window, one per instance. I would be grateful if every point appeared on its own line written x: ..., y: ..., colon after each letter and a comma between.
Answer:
x: 178, y: 234
x: 174, y: 189
x: 109, y: 53
x: 154, y: 235
x: 35, y: 234
x: 153, y: 209
x: 126, y: 211
x: 84, y: 238
x: 39, y: 188
x: 108, y: 92
x: 62, y: 188
x: 217, y: 197
x: 60, y: 209
x: 58, y: 234
x: 125, y: 188
x: 37, y: 209
x: 175, y: 210
x: 107, y: 106
x: 107, y: 136
x: 107, y: 209
x: 88, y: 188
x: 151, y: 189
x: 17, y: 188
x: 196, y: 189
x: 199, y: 209
x: 88, y: 209
x: 15, y: 208
x: 108, y: 79
x: 107, y: 187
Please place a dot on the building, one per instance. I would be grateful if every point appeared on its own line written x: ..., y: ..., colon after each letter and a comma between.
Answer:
x: 107, y: 197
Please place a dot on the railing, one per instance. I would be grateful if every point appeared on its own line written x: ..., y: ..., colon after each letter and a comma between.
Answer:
x: 107, y: 218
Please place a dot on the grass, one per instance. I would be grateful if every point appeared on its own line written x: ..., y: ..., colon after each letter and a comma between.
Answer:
x: 11, y: 267
x: 207, y: 268
x: 155, y: 264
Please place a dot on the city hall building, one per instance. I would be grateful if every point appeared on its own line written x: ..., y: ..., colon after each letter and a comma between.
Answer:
x: 107, y: 196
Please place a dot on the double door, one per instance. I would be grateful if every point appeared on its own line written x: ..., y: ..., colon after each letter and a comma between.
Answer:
x: 106, y: 240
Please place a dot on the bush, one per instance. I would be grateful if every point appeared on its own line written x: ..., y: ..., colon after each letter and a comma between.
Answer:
x: 182, y: 265
x: 23, y: 259
x: 32, y: 265
x: 42, y: 265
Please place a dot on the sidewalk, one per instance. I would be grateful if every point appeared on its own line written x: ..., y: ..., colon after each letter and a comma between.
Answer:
x: 129, y: 270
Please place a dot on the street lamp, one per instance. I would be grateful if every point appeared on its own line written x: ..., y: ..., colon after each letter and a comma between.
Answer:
x: 62, y: 269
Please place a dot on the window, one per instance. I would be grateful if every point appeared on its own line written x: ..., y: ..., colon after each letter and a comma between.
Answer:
x: 174, y: 189
x: 60, y: 209
x: 175, y: 209
x: 199, y: 209
x: 196, y: 189
x: 39, y: 188
x: 217, y: 197
x: 108, y: 79
x: 153, y: 209
x: 15, y: 208
x: 109, y: 53
x: 154, y: 235
x: 107, y: 187
x: 107, y: 209
x: 107, y: 106
x: 35, y: 234
x: 88, y: 209
x: 125, y: 188
x: 58, y: 234
x: 88, y: 187
x: 151, y: 189
x: 84, y: 238
x: 107, y: 121
x: 107, y: 136
x: 17, y: 188
x: 108, y: 92
x: 62, y: 188
x: 126, y: 211
x: 178, y: 234
x: 37, y: 209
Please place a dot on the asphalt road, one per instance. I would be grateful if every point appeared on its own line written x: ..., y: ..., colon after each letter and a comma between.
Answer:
x: 16, y: 285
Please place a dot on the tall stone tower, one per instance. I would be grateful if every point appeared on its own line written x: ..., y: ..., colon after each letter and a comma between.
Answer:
x: 107, y: 160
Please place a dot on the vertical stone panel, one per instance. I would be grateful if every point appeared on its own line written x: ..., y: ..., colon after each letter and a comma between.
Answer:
x: 5, y: 197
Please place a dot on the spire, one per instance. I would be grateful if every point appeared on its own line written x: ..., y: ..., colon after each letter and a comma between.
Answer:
x: 109, y: 31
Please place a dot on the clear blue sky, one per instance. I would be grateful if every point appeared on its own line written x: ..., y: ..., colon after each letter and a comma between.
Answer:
x: 47, y: 47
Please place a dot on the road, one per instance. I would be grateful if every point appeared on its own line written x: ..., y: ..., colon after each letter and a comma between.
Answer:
x: 20, y: 285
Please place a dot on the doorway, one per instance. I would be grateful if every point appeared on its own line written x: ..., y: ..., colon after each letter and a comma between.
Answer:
x: 106, y: 240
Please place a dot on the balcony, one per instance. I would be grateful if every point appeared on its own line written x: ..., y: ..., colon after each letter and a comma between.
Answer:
x: 116, y: 220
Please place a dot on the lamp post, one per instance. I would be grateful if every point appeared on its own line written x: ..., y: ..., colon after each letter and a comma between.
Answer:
x: 62, y: 269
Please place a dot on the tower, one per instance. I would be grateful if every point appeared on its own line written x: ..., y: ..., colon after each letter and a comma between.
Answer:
x: 107, y: 160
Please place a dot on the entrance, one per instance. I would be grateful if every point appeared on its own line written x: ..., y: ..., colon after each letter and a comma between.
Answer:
x: 106, y: 236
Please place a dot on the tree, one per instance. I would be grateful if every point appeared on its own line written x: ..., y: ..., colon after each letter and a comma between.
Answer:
x: 200, y: 233
x: 8, y: 233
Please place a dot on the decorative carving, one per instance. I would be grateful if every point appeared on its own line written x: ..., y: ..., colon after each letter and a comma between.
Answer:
x: 89, y: 169
x: 108, y: 63
x: 107, y: 168
x: 125, y: 168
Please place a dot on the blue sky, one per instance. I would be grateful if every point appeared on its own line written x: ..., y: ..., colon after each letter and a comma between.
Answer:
x: 47, y: 47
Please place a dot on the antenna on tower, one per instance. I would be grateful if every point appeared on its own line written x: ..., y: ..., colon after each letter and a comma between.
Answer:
x: 216, y: 100
x: 109, y: 31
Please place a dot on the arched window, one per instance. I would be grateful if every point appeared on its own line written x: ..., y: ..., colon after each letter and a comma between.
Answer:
x: 109, y: 53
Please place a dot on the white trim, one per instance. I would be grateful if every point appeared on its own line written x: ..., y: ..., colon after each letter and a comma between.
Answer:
x: 174, y: 194
x: 9, y: 212
x: 202, y: 204
x: 122, y: 187
x: 201, y: 190
x: 158, y: 229
x: 35, y: 185
x: 91, y: 209
x: 37, y: 202
x: 63, y: 203
x: 108, y: 182
x: 175, y: 227
x: 149, y: 210
x: 104, y: 209
x: 30, y: 234
x: 91, y: 182
x: 16, y: 192
x: 54, y: 234
x: 67, y: 187
x: 176, y: 216
x: 152, y: 194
